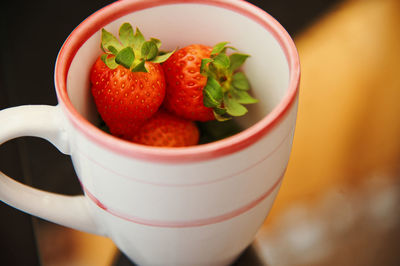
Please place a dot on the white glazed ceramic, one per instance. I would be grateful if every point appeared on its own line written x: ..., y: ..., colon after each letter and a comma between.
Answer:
x: 181, y: 206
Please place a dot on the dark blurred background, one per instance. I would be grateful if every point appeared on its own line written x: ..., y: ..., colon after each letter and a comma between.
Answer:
x: 32, y: 32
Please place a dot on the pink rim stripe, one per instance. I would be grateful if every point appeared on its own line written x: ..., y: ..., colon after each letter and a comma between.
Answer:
x: 177, y: 155
x: 184, y: 224
x: 187, y: 184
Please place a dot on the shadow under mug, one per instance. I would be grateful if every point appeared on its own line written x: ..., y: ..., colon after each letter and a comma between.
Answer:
x: 200, y: 205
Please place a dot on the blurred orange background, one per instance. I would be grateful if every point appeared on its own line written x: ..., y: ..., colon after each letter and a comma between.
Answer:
x: 348, y: 125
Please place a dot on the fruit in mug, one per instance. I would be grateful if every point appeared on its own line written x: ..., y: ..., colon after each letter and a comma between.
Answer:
x: 184, y: 96
x: 127, y: 81
x: 197, y: 83
x: 167, y: 130
x: 203, y: 83
x: 125, y: 99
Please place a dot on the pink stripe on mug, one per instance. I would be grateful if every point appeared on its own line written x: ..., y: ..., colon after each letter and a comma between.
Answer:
x: 183, y: 224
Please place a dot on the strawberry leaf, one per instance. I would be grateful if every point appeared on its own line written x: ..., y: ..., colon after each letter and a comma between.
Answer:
x: 237, y: 60
x: 138, y: 40
x: 218, y: 48
x: 231, y: 47
x: 204, y: 63
x: 109, y: 61
x: 149, y: 50
x: 243, y: 97
x: 162, y: 58
x: 220, y: 111
x: 113, y: 50
x: 140, y: 67
x: 156, y: 41
x: 240, y: 82
x: 209, y: 101
x: 212, y: 93
x: 126, y: 34
x: 220, y: 117
x: 233, y: 107
x: 131, y: 50
x: 109, y: 42
x: 221, y: 61
x: 226, y: 89
x: 125, y: 57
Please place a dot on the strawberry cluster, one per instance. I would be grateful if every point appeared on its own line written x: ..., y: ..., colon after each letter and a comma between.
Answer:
x: 156, y: 98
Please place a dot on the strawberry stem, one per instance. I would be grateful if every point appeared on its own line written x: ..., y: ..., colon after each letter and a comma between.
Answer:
x: 226, y: 88
x: 131, y: 50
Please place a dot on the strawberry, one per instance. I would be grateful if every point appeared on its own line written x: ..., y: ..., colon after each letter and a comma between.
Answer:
x: 128, y: 84
x: 167, y: 130
x: 184, y: 96
x: 203, y: 83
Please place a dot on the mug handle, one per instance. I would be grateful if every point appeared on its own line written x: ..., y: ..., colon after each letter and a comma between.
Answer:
x: 46, y: 122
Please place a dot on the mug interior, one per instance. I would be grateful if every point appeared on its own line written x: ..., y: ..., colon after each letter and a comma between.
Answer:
x: 272, y: 68
x: 179, y: 25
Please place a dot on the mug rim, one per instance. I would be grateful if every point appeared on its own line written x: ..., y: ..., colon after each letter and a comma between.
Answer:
x: 212, y: 150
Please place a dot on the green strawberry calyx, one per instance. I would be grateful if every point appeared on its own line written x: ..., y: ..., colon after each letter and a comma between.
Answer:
x: 226, y: 90
x: 131, y: 50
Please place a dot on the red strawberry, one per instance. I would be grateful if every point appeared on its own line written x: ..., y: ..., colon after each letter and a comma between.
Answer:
x: 126, y: 99
x: 203, y: 83
x: 167, y: 130
x: 184, y: 96
x: 128, y: 82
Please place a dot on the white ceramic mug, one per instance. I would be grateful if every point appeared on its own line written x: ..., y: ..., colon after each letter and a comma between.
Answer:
x: 200, y: 205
